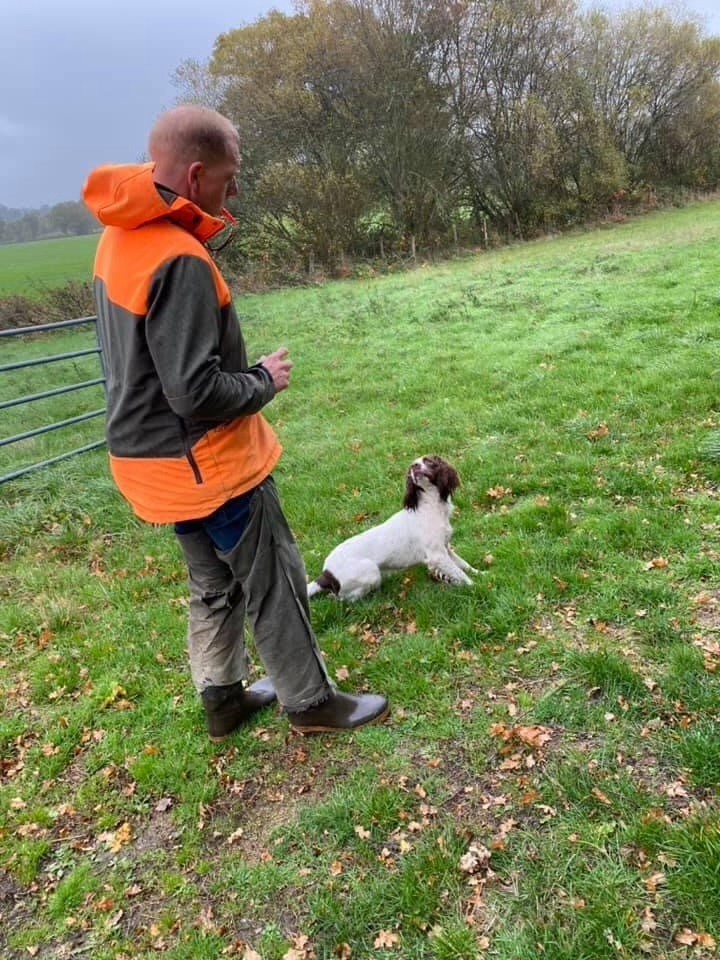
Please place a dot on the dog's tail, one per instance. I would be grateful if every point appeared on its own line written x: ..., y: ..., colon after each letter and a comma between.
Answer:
x: 325, y: 583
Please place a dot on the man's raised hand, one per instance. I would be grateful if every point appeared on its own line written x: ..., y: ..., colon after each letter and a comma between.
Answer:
x: 278, y: 365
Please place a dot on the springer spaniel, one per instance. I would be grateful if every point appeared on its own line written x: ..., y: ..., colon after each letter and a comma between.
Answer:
x: 419, y: 533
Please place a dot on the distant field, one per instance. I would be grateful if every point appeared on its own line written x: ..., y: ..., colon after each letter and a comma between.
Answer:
x: 26, y: 268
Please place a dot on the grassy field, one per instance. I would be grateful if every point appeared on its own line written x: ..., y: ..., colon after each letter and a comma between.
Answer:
x: 547, y: 783
x: 28, y: 268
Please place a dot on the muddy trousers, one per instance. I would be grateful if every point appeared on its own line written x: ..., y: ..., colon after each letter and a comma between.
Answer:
x: 261, y: 580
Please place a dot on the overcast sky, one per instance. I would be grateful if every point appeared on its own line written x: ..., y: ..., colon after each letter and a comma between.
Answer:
x: 82, y: 82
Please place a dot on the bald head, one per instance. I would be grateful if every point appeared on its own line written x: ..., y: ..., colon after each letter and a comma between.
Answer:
x: 190, y: 133
x: 189, y: 143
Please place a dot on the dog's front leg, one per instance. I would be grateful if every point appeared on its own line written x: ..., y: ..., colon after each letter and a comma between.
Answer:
x: 463, y: 564
x: 442, y: 567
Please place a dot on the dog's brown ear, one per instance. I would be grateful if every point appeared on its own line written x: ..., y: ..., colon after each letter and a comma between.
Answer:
x: 446, y: 479
x: 412, y: 493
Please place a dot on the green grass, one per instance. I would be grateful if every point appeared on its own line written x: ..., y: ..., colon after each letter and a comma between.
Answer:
x: 27, y: 269
x: 561, y: 715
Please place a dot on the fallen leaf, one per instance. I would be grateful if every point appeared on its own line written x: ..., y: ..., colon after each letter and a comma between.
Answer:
x: 648, y: 922
x: 386, y: 938
x: 123, y: 835
x: 206, y: 920
x: 235, y: 835
x: 675, y: 789
x: 301, y: 949
x: 654, y: 881
x: 533, y: 736
x: 599, y: 795
x: 476, y: 859
x: 499, y: 493
x: 602, y: 430
x: 114, y: 920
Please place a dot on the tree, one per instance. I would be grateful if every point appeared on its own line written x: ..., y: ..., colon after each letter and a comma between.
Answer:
x: 287, y: 85
x: 508, y: 64
x: 403, y: 114
x: 340, y: 121
x: 71, y: 219
x: 653, y: 80
x: 197, y: 84
x: 408, y: 115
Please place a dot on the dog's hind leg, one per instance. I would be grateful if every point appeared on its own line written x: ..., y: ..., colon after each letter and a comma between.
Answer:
x: 365, y: 576
x: 325, y: 583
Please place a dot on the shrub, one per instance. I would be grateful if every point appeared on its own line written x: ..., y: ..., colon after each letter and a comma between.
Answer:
x: 73, y: 299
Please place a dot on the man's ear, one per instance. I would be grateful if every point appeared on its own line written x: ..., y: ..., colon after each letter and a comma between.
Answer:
x: 194, y: 175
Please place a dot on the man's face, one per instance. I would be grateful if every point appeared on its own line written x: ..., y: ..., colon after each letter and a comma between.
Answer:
x: 214, y: 183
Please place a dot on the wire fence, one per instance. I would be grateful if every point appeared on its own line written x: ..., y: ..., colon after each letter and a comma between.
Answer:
x: 8, y: 369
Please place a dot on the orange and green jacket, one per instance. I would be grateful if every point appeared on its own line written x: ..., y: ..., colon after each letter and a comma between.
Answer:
x: 184, y: 428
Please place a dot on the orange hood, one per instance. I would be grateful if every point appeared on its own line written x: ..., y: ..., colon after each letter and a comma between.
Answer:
x: 126, y: 196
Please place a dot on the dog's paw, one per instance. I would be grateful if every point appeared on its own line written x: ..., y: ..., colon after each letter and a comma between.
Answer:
x: 455, y: 578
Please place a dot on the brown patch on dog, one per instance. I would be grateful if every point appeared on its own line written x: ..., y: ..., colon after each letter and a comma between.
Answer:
x: 328, y: 582
x: 412, y: 493
x: 444, y: 476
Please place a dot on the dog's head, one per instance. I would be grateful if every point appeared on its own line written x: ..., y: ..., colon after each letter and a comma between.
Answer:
x: 427, y: 472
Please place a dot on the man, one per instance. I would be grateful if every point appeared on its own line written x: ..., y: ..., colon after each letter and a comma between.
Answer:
x: 188, y: 444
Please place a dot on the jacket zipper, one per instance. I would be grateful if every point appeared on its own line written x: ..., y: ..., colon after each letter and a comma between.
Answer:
x: 188, y: 452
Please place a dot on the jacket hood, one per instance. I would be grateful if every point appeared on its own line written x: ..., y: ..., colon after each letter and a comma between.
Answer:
x: 126, y: 196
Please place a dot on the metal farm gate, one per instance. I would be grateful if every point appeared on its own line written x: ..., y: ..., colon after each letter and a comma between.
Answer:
x: 66, y: 388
